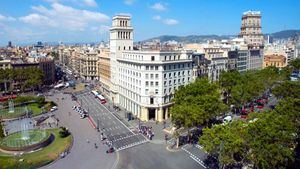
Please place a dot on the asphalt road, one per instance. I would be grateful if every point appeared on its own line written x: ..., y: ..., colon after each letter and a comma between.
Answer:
x: 113, y: 129
x: 83, y: 155
x: 155, y: 156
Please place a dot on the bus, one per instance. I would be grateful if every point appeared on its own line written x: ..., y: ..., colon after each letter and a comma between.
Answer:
x: 8, y: 97
x: 95, y: 93
x: 101, y: 98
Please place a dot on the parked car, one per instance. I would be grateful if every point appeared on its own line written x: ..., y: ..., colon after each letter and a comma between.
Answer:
x: 53, y: 108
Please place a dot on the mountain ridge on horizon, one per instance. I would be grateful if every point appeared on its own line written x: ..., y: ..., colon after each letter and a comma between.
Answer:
x: 284, y: 34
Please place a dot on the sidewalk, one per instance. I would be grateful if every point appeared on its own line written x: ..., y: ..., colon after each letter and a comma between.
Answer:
x: 157, y: 127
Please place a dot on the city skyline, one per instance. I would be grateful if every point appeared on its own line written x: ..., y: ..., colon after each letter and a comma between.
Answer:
x: 89, y: 20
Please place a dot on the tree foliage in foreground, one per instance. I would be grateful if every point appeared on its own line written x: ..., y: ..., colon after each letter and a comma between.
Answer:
x: 29, y: 77
x: 267, y: 141
x: 196, y: 103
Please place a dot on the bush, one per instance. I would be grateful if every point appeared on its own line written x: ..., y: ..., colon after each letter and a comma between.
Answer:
x: 1, y: 131
x: 64, y: 132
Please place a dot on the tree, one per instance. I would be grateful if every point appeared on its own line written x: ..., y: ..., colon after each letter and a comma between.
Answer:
x: 287, y: 89
x: 266, y: 140
x: 290, y: 108
x: 250, y: 87
x: 271, y: 139
x: 227, y: 141
x: 295, y: 64
x: 196, y: 103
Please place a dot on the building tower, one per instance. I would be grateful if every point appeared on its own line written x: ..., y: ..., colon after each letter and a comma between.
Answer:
x: 251, y: 29
x: 121, y: 39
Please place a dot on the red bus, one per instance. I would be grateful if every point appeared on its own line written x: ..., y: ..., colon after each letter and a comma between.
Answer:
x: 101, y: 98
x: 5, y: 98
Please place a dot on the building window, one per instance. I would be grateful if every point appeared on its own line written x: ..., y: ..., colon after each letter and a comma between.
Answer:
x: 156, y: 67
x: 165, y: 83
x: 147, y: 76
x: 165, y: 57
x: 147, y: 67
x: 165, y: 75
x: 146, y: 91
x: 152, y: 58
x: 156, y: 76
x: 147, y: 83
x: 156, y: 83
x: 165, y: 91
x: 170, y: 82
x: 156, y: 91
x: 170, y: 75
x: 151, y: 100
x: 124, y: 48
x: 129, y: 47
x: 151, y: 83
x: 170, y: 67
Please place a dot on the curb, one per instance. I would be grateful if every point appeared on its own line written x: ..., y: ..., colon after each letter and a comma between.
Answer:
x: 58, y: 158
x: 173, y: 150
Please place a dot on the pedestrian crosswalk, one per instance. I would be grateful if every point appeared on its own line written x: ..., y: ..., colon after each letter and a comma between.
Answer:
x: 117, y: 133
x: 196, y: 157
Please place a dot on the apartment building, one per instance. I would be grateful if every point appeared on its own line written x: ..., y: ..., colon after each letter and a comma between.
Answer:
x: 104, y: 71
x: 278, y: 61
x: 144, y: 81
x: 88, y: 65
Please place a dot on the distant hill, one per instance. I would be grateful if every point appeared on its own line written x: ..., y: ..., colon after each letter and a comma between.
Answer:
x: 188, y: 39
x: 285, y: 34
x: 203, y: 38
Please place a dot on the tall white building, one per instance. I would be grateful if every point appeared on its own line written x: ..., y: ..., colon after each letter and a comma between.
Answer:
x: 121, y: 39
x: 144, y: 81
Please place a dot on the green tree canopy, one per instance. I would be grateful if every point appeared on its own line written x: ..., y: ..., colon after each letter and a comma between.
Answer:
x: 287, y: 89
x: 196, y: 103
x: 266, y: 141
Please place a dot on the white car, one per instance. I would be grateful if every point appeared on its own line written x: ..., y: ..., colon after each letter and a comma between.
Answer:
x: 53, y: 108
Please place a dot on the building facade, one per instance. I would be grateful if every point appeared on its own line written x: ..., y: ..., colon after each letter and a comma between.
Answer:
x: 144, y: 81
x: 88, y: 65
x: 104, y: 71
x: 251, y: 29
x: 278, y: 61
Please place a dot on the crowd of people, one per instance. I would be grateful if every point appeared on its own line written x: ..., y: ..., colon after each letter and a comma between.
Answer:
x: 147, y: 131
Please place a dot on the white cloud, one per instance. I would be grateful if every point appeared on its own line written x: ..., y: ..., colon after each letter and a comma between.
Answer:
x: 170, y: 22
x: 6, y: 18
x: 91, y: 3
x: 158, y: 6
x: 65, y: 17
x: 129, y: 2
x: 156, y: 17
x: 38, y: 20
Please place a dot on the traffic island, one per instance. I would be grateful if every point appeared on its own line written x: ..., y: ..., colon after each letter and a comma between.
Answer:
x: 39, y: 157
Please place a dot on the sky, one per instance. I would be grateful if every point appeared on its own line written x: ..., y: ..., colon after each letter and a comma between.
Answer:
x: 29, y: 21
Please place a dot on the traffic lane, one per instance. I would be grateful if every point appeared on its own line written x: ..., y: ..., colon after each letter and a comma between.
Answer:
x: 106, y: 120
x: 156, y: 156
x: 118, y: 134
x: 83, y: 154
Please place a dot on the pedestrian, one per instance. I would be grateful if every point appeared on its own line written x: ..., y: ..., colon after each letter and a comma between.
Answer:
x: 87, y: 140
x: 96, y: 145
x: 166, y: 138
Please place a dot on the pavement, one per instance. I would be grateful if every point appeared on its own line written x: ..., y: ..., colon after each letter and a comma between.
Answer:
x: 120, y: 135
x: 131, y: 152
x: 83, y: 154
